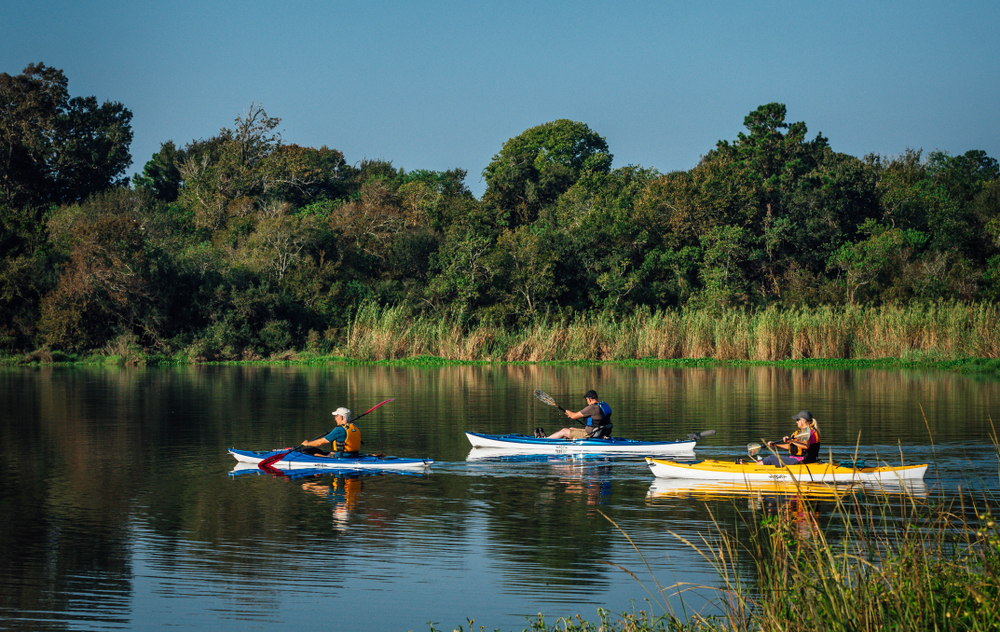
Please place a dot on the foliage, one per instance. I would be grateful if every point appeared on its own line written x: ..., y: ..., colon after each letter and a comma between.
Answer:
x: 56, y: 149
x: 241, y: 245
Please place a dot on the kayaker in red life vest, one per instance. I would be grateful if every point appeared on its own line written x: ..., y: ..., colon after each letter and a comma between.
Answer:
x: 594, y: 416
x: 803, y: 446
x: 345, y: 438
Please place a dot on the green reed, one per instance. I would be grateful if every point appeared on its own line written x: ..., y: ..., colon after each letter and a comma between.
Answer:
x: 918, y: 566
x: 919, y: 332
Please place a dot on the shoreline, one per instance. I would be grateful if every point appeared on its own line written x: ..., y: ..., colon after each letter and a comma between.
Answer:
x: 962, y: 365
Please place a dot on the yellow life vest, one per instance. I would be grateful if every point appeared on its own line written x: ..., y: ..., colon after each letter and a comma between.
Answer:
x: 353, y: 441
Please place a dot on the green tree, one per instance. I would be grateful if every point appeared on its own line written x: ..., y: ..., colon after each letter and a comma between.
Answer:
x: 233, y: 174
x: 875, y: 264
x: 533, y: 169
x: 105, y: 288
x: 162, y: 174
x: 527, y: 261
x: 57, y: 149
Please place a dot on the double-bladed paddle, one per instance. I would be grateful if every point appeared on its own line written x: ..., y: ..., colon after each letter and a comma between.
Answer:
x: 271, y: 460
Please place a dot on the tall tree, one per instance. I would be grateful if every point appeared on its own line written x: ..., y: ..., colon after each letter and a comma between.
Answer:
x: 533, y: 169
x: 54, y: 149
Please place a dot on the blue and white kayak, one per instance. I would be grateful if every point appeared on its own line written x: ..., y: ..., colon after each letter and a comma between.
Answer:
x: 249, y: 469
x: 297, y: 460
x: 610, y: 445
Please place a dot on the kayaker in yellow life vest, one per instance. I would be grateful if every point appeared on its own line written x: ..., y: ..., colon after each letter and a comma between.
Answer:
x: 345, y: 439
x: 803, y: 446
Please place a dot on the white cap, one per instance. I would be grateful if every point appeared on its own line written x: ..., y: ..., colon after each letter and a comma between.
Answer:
x: 343, y: 412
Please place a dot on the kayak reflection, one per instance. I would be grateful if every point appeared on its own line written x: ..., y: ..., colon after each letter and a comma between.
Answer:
x: 514, y: 455
x: 674, y: 488
x: 251, y: 469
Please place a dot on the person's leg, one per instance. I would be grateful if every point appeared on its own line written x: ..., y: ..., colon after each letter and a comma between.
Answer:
x: 779, y: 460
x: 562, y: 434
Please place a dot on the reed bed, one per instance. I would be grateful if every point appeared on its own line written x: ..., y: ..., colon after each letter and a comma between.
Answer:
x: 917, y: 566
x: 926, y: 567
x: 938, y: 332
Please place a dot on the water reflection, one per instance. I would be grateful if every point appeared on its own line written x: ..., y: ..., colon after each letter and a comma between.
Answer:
x: 670, y: 489
x: 121, y: 513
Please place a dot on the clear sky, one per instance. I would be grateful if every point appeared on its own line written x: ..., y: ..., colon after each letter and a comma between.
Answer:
x: 443, y: 84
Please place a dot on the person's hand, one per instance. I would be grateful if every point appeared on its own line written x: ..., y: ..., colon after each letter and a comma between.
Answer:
x: 785, y: 439
x: 568, y: 414
x: 770, y: 444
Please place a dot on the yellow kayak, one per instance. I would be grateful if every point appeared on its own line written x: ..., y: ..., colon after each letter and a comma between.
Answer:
x: 811, y: 473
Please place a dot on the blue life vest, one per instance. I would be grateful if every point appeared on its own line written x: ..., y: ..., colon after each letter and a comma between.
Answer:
x: 607, y: 416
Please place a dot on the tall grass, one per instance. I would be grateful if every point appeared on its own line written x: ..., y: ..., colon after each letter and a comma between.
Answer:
x: 915, y: 567
x: 937, y: 332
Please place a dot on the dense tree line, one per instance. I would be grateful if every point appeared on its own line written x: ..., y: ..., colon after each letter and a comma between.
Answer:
x: 242, y: 246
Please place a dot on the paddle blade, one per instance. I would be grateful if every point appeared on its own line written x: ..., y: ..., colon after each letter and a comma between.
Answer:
x: 373, y: 408
x: 271, y: 460
x: 273, y: 471
x: 697, y: 436
x: 545, y: 398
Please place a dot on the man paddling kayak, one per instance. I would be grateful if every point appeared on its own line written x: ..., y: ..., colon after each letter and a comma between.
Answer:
x: 595, y: 416
x: 803, y: 446
x: 345, y: 439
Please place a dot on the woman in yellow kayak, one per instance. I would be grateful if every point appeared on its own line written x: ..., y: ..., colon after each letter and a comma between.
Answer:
x: 803, y: 446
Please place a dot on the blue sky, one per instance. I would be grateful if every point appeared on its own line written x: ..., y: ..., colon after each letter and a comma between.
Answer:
x: 443, y: 84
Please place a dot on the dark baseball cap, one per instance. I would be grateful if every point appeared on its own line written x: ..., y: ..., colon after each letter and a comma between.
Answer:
x: 804, y: 414
x: 591, y: 395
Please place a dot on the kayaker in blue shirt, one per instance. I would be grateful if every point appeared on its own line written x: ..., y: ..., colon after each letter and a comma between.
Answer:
x: 803, y: 446
x: 345, y: 439
x: 595, y: 417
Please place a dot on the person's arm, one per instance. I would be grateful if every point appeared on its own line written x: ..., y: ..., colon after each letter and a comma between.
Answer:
x: 590, y: 410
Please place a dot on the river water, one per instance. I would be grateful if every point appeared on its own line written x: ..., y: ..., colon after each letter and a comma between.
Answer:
x: 121, y: 511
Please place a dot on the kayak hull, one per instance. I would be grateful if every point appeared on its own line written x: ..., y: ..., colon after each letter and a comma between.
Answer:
x: 250, y: 469
x: 297, y: 460
x: 811, y: 473
x: 613, y: 445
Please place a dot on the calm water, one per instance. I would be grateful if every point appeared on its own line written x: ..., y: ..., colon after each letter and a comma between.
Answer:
x: 120, y: 512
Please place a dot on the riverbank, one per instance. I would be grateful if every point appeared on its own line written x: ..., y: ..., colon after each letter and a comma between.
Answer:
x: 952, y: 336
x: 986, y: 366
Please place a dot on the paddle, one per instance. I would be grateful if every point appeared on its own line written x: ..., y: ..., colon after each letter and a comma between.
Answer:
x: 271, y: 460
x: 545, y: 398
x: 698, y: 436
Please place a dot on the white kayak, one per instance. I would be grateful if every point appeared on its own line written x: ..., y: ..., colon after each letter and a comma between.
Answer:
x: 611, y: 445
x: 811, y: 473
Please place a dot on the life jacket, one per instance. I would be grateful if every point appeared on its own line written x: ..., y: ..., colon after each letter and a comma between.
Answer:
x: 809, y: 454
x: 601, y: 422
x: 353, y: 441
